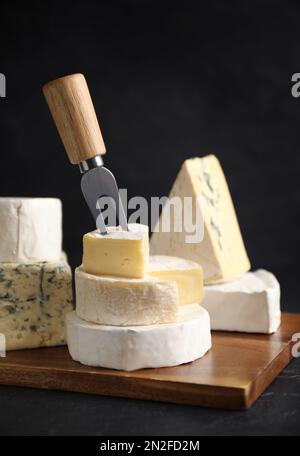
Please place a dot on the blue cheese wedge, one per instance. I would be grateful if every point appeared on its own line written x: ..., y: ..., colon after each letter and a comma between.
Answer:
x: 221, y: 253
x: 34, y: 300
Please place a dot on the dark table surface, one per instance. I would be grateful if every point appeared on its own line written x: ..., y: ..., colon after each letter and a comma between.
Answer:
x: 169, y: 81
x: 37, y: 412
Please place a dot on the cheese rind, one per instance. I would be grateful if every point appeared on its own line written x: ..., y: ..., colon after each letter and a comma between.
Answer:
x: 139, y: 347
x: 31, y: 230
x: 249, y: 304
x: 34, y: 299
x: 221, y: 253
x: 124, y: 302
x: 119, y: 253
x: 187, y: 274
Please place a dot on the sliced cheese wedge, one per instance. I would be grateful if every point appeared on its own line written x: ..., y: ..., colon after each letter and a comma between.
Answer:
x: 187, y: 274
x: 139, y: 347
x: 119, y: 253
x: 221, y: 253
x: 249, y: 304
x: 124, y: 302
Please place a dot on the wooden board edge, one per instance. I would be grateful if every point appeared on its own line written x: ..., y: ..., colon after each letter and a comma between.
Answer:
x: 271, y: 372
x: 178, y: 392
x: 126, y: 387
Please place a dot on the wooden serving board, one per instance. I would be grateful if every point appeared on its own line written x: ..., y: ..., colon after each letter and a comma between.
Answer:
x: 232, y: 375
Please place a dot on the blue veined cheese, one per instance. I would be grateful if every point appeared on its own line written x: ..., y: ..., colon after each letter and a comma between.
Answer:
x: 221, y: 253
x: 34, y: 300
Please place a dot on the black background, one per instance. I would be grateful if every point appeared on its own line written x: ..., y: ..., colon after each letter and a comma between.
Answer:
x: 169, y: 80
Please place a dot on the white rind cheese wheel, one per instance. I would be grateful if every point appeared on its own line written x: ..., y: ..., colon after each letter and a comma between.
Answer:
x: 124, y: 302
x: 31, y: 230
x: 249, y: 304
x: 139, y: 347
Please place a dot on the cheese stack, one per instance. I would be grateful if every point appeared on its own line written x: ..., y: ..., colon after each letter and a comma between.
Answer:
x: 35, y: 278
x: 237, y: 300
x: 133, y: 311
